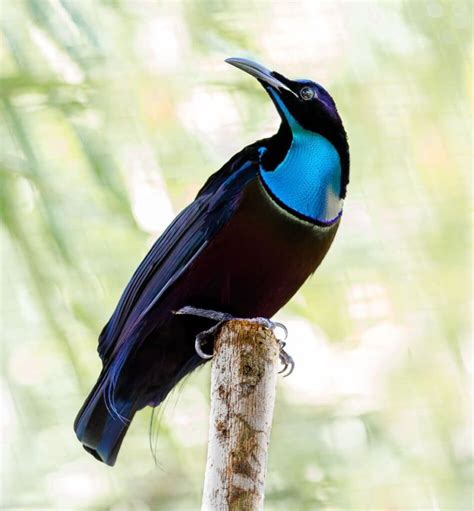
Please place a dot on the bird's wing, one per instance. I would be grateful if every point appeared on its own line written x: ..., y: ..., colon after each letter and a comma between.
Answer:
x: 177, y: 247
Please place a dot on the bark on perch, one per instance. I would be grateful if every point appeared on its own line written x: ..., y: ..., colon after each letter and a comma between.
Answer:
x: 243, y: 381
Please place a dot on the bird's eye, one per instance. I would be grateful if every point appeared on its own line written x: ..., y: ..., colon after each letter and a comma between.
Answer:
x: 307, y: 93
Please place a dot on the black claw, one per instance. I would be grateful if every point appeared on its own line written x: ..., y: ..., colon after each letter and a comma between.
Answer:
x: 292, y: 366
x: 286, y: 360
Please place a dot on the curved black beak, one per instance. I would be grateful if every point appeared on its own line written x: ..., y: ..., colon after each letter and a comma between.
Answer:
x: 258, y: 71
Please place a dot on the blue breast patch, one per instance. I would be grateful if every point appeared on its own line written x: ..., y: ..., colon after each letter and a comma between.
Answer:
x: 308, y: 180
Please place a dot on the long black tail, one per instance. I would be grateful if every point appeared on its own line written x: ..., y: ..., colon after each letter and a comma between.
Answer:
x: 99, y: 428
x: 135, y: 378
x: 102, y: 422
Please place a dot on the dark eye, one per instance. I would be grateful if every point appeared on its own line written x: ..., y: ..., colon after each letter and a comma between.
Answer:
x: 307, y: 93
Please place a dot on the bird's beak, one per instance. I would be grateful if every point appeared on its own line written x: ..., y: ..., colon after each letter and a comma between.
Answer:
x: 258, y: 71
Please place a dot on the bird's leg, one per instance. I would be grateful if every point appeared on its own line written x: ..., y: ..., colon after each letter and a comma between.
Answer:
x: 205, y: 313
x: 221, y: 318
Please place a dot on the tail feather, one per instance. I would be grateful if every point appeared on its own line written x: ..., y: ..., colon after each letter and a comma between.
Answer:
x: 100, y: 429
x: 103, y: 420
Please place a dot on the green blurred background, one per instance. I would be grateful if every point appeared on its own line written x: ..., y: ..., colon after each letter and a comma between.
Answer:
x: 113, y: 113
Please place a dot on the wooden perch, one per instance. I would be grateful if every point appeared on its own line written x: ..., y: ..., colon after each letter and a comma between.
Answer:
x: 243, y: 384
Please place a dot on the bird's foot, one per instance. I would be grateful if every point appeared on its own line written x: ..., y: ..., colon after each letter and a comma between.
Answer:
x: 271, y: 325
x: 223, y: 317
x: 201, y: 338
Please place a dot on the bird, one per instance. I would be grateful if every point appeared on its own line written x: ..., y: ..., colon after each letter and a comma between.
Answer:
x: 255, y: 232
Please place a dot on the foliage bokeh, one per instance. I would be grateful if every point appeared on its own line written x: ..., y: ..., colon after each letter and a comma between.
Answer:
x: 113, y: 112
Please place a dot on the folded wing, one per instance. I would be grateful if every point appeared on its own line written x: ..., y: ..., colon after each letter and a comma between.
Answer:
x: 176, y: 248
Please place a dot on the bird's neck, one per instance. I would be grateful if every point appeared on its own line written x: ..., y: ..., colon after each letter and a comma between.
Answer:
x: 307, y: 179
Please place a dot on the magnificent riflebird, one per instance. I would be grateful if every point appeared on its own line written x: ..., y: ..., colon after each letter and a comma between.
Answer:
x: 257, y: 229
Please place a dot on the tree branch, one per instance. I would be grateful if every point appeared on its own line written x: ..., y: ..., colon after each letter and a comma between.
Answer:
x: 242, y: 400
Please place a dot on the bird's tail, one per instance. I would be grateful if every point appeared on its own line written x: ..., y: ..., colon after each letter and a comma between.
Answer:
x: 101, y: 428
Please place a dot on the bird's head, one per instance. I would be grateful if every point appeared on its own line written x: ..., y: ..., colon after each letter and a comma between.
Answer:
x: 302, y: 105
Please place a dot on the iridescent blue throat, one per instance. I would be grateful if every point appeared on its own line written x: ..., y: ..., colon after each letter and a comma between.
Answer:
x: 308, y: 180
